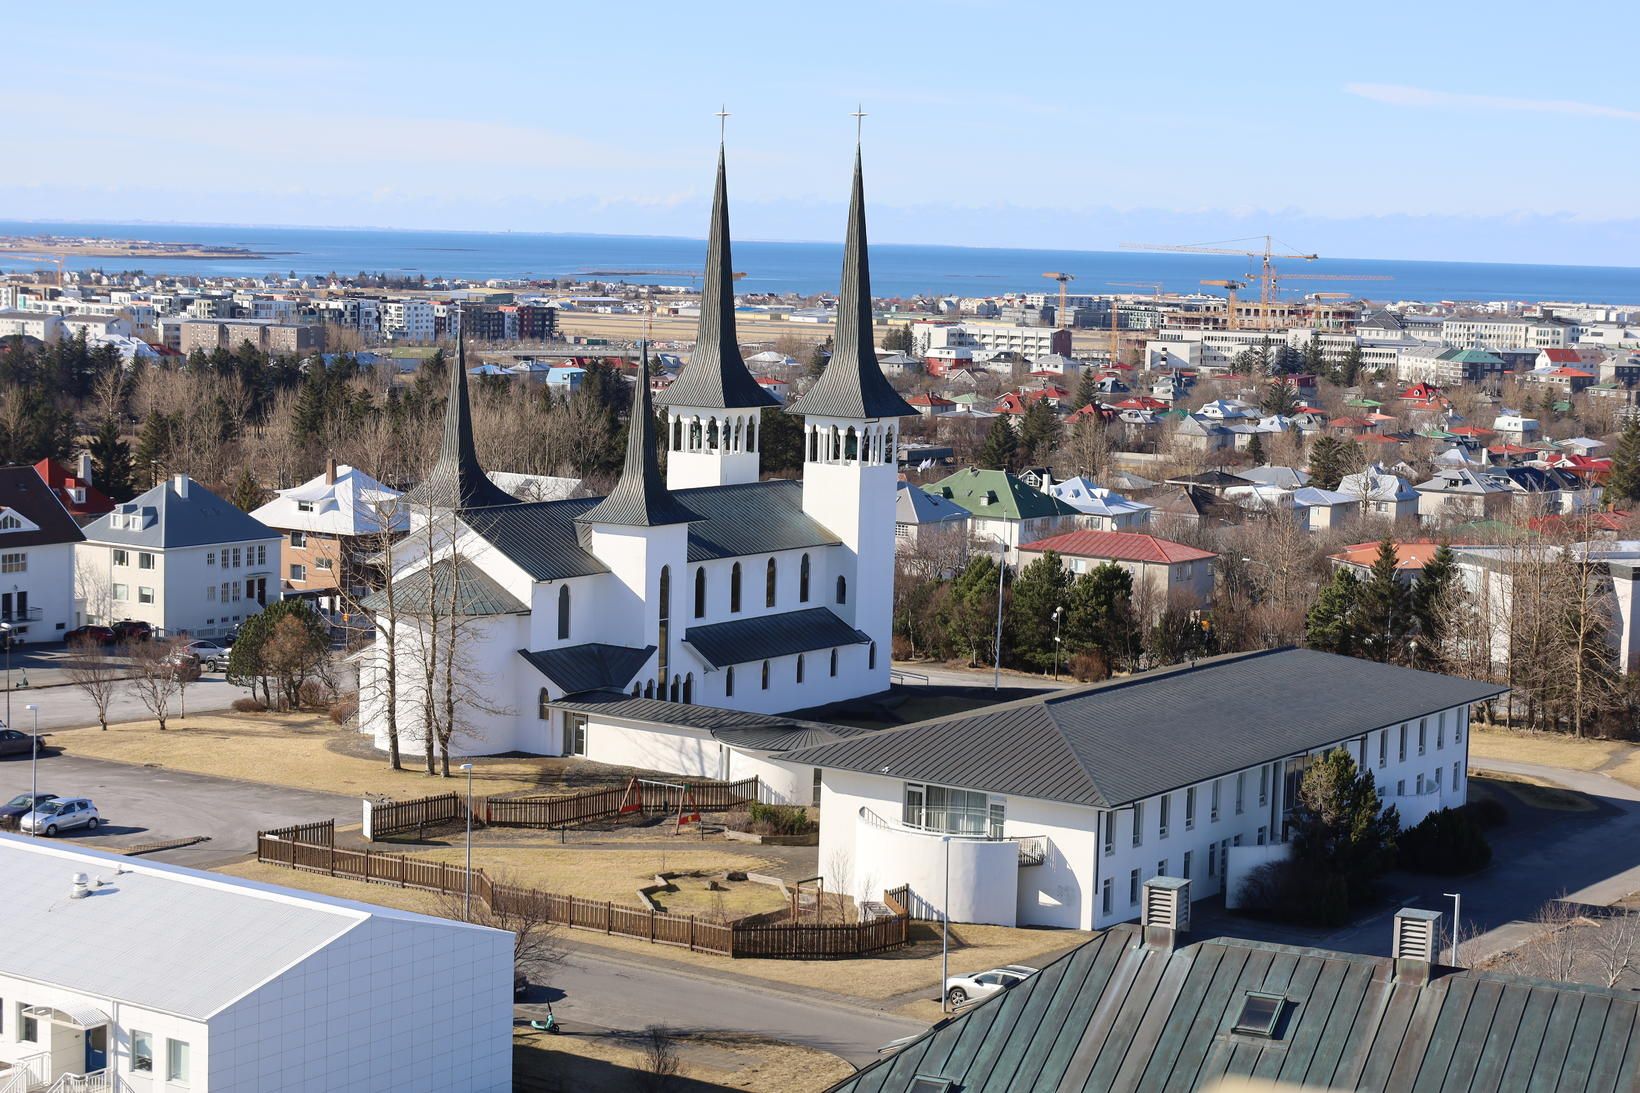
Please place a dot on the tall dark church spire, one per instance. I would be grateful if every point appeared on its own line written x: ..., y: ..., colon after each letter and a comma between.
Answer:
x: 640, y: 498
x: 716, y: 377
x: 853, y: 384
x: 457, y: 481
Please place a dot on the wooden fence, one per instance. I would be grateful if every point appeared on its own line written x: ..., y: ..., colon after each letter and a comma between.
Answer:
x: 416, y: 815
x: 788, y: 941
x: 601, y: 804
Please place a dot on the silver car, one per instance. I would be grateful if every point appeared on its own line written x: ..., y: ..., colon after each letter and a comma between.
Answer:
x: 61, y: 814
x: 962, y: 989
x: 212, y: 657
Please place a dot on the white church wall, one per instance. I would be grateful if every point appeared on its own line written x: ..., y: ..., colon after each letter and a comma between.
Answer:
x: 489, y: 649
x: 782, y: 783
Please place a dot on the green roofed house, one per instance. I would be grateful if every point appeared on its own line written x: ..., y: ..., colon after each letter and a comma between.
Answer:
x: 1006, y: 509
x: 1148, y: 1008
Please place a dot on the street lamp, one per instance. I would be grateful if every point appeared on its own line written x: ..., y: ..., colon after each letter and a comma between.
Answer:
x: 467, y: 896
x: 1058, y: 615
x: 33, y: 766
x: 1457, y: 907
x: 945, y: 931
x: 5, y: 638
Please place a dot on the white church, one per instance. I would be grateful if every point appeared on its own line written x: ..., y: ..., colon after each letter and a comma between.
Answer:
x: 667, y: 625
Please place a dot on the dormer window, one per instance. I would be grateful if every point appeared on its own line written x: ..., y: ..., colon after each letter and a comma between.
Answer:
x: 10, y: 522
x: 304, y: 506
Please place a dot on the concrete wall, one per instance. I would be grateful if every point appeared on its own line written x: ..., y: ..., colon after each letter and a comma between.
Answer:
x: 1242, y: 861
x: 982, y: 875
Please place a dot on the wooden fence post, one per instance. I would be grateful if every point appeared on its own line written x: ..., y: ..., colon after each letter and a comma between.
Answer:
x: 609, y: 916
x: 691, y: 933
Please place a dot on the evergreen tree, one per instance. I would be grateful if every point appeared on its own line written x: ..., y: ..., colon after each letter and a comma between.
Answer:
x: 1623, y: 483
x: 1255, y: 450
x: 1000, y: 451
x: 154, y: 445
x: 308, y: 418
x: 1315, y: 359
x: 1349, y: 372
x: 1338, y: 828
x: 1384, y: 620
x: 780, y: 442
x: 899, y: 339
x: 1331, y: 623
x: 819, y: 358
x: 1428, y: 599
x: 972, y: 608
x: 111, y: 462
x: 1041, y: 588
x: 1099, y: 615
x: 1279, y: 397
x: 1038, y: 432
x: 247, y: 494
x: 1330, y: 460
x: 1087, y: 389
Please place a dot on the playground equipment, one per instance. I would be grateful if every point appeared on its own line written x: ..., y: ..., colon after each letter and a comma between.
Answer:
x: 674, y: 798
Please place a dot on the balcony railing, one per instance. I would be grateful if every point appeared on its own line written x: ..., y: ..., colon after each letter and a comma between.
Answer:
x: 26, y: 614
x: 1033, y: 849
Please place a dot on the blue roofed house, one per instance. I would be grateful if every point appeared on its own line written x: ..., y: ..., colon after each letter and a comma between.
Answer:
x: 178, y: 558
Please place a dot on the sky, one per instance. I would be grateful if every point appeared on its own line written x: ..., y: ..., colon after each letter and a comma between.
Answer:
x: 1428, y: 131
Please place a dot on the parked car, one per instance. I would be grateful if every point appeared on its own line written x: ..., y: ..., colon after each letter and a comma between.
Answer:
x: 132, y: 630
x: 61, y: 814
x: 97, y: 635
x: 962, y: 989
x: 21, y: 805
x: 212, y: 656
x: 185, y: 666
x: 13, y: 742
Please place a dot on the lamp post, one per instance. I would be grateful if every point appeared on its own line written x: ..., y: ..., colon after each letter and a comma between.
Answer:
x: 1457, y: 908
x: 996, y: 645
x: 34, y: 767
x: 5, y: 638
x: 467, y: 894
x: 1058, y: 616
x: 945, y: 931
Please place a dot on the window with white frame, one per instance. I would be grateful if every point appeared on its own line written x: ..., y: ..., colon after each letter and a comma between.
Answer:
x: 210, y: 593
x: 1263, y: 784
x: 1186, y: 872
x: 262, y: 555
x: 1402, y: 751
x: 1241, y: 790
x: 1133, y: 887
x: 1423, y: 734
x: 142, y: 1052
x: 945, y: 810
x: 119, y: 592
x: 304, y: 506
x: 10, y: 522
x: 145, y: 594
x: 298, y: 539
x: 1163, y: 807
x: 1190, y: 809
x: 1383, y: 748
x: 14, y: 562
x: 176, y: 1060
x: 1104, y: 895
x: 325, y: 563
x: 298, y: 572
x: 145, y: 559
x: 122, y: 557
x: 210, y: 557
x: 1213, y: 812
x: 1138, y: 822
x: 1110, y: 833
x: 1440, y: 731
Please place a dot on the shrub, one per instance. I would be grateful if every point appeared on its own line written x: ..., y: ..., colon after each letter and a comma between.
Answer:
x: 344, y: 709
x: 1282, y: 890
x: 250, y: 705
x: 1447, y: 841
x: 778, y: 819
x: 1089, y: 667
x: 1487, y: 812
x: 312, y: 694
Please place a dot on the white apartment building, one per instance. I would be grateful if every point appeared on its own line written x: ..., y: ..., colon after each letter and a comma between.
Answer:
x: 1505, y: 333
x: 408, y: 320
x: 31, y: 324
x: 37, y: 543
x: 178, y: 558
x: 1205, y: 349
x: 1029, y: 341
x: 130, y: 975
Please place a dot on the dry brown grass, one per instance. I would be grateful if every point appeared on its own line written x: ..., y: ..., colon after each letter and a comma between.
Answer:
x: 598, y: 1062
x: 914, y: 968
x: 601, y: 873
x: 303, y: 750
x: 1533, y: 792
x: 1548, y: 749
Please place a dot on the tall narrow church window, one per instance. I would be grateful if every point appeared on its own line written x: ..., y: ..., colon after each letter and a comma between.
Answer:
x: 769, y: 585
x: 677, y: 685
x: 740, y: 435
x: 851, y: 445
x: 842, y: 589
x: 751, y: 435
x: 765, y: 675
x: 803, y: 580
x: 700, y: 592
x: 834, y: 662
x: 665, y: 629
x: 734, y: 587
x: 799, y: 667
x: 689, y: 688
x: 637, y: 689
x: 728, y: 683
x: 871, y: 657
x: 814, y: 446
x: 563, y: 612
x: 542, y: 710
x: 649, y: 689
x: 677, y: 434
x: 712, y: 435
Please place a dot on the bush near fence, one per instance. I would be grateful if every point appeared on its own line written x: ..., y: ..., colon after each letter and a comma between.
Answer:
x: 289, y: 847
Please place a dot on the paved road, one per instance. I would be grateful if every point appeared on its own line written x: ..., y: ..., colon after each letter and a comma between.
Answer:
x: 595, y: 988
x: 143, y: 805
x: 975, y: 677
x: 67, y: 707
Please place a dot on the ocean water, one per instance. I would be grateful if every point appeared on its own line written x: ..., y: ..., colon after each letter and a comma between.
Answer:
x: 897, y: 270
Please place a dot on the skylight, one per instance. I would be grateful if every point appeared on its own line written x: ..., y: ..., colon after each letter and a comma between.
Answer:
x: 923, y: 1083
x: 1259, y: 1014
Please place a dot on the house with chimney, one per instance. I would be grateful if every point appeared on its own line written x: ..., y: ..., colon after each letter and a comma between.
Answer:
x: 74, y: 489
x: 37, y: 543
x: 331, y: 525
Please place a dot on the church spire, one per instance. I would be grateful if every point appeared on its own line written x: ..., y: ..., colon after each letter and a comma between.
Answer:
x: 640, y: 498
x: 853, y: 384
x: 457, y: 481
x: 716, y: 377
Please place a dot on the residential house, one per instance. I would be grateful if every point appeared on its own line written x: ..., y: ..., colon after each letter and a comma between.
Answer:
x: 1614, y: 576
x: 931, y: 524
x: 1053, y: 810
x: 137, y: 975
x: 1144, y: 1007
x: 932, y: 405
x: 1005, y: 509
x: 1537, y: 491
x: 1381, y: 493
x: 1287, y: 478
x: 1410, y: 559
x: 1105, y: 509
x: 1514, y: 426
x: 1461, y: 493
x: 37, y: 544
x: 1202, y: 435
x: 178, y: 558
x: 1164, y: 572
x: 75, y: 491
x: 330, y: 524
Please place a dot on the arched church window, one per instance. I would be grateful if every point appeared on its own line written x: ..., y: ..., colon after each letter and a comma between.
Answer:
x: 769, y: 582
x: 712, y: 435
x: 834, y: 662
x: 734, y: 587
x: 799, y: 667
x: 851, y: 445
x: 842, y: 589
x: 728, y: 682
x: 542, y: 710
x: 563, y: 612
x: 689, y: 688
x: 803, y: 580
x: 751, y: 435
x: 700, y: 592
x: 871, y: 657
x: 765, y: 675
x: 677, y: 686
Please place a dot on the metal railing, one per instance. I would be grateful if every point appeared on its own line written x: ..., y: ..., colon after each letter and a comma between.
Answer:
x: 28, y: 1073
x: 26, y: 614
x: 1033, y: 849
x: 98, y: 1081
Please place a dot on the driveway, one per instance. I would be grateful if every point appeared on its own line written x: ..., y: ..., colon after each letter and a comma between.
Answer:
x: 144, y: 805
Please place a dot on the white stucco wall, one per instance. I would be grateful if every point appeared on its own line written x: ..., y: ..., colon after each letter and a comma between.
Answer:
x: 48, y: 580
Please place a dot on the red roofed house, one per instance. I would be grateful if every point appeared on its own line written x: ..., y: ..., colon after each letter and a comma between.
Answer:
x: 1163, y: 571
x: 1557, y: 358
x: 1424, y: 396
x: 932, y: 405
x: 1567, y: 378
x: 1410, y: 559
x: 83, y: 501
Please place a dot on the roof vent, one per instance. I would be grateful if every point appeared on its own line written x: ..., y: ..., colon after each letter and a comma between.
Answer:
x: 1414, y: 942
x: 1165, y: 912
x: 81, y: 888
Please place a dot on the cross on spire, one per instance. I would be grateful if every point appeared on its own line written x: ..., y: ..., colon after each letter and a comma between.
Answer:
x: 859, y: 117
x: 722, y: 116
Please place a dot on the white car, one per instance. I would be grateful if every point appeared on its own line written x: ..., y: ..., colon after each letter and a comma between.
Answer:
x: 962, y: 989
x: 212, y: 657
x: 61, y: 814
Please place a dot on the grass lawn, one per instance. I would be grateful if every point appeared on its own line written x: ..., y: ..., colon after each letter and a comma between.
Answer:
x: 601, y: 873
x: 307, y: 751
x: 595, y: 1061
x: 914, y: 968
x: 1618, y: 759
x: 1532, y: 792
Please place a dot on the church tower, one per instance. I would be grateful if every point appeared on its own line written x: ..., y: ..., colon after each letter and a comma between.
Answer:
x: 641, y: 532
x: 850, y: 431
x: 457, y: 481
x: 714, y: 408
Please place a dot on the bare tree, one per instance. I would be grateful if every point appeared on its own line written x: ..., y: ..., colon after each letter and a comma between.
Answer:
x: 538, y: 942
x: 95, y: 670
x: 1553, y: 952
x: 660, y: 1058
x: 153, y: 677
x: 1613, y: 945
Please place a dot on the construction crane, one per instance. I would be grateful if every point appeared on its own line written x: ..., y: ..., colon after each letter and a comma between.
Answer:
x: 1267, y: 257
x: 1064, y: 280
x: 1320, y: 297
x: 1232, y: 321
x: 1155, y: 288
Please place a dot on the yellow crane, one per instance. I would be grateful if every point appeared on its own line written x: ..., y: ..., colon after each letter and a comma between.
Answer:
x: 1064, y: 280
x: 1232, y: 320
x: 1155, y: 288
x: 1267, y: 257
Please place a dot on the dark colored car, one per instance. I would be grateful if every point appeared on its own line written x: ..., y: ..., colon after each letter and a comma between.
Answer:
x: 20, y: 806
x: 97, y: 635
x: 132, y: 630
x: 13, y: 742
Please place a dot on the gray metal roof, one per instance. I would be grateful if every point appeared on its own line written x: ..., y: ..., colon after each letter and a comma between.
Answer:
x: 595, y: 666
x: 543, y: 539
x: 169, y: 520
x: 457, y: 481
x: 853, y: 384
x: 756, y: 731
x: 741, y: 641
x: 1114, y: 1016
x: 716, y: 376
x: 427, y: 591
x: 24, y: 492
x: 1112, y: 743
x: 640, y: 497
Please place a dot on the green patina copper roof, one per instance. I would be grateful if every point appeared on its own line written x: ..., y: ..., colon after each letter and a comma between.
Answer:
x: 998, y: 495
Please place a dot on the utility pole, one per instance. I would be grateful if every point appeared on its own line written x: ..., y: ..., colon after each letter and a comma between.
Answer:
x: 1058, y: 616
x: 996, y: 647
